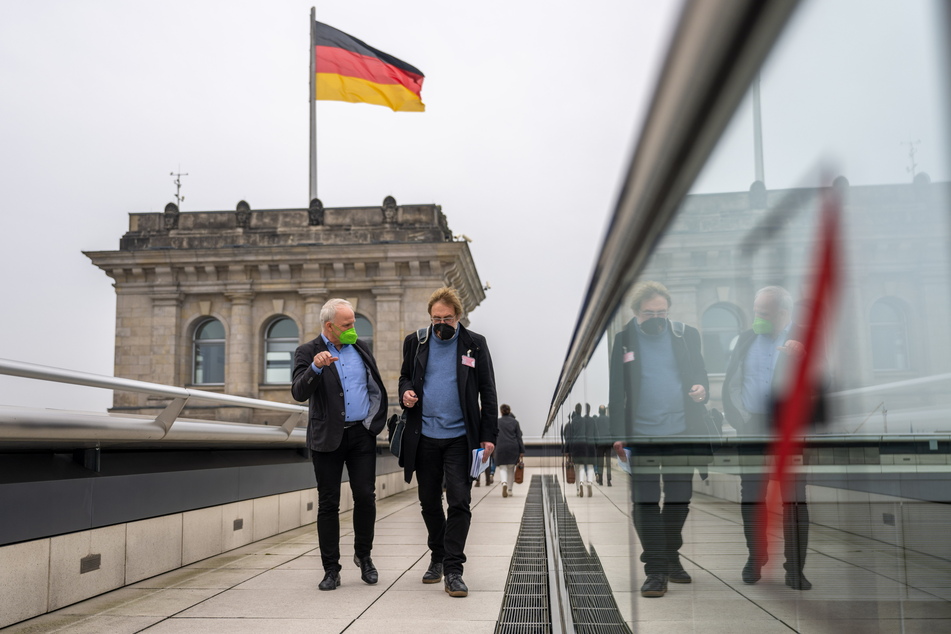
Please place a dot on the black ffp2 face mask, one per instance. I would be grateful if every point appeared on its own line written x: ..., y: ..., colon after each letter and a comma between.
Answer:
x: 654, y: 325
x: 444, y: 331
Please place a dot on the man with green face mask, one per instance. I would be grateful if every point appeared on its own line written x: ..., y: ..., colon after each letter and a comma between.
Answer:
x: 753, y: 383
x: 338, y: 374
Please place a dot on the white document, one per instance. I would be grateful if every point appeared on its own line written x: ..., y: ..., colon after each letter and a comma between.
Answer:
x: 624, y: 466
x: 477, y: 465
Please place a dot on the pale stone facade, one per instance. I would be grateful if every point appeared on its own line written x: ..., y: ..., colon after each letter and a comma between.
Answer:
x: 174, y: 271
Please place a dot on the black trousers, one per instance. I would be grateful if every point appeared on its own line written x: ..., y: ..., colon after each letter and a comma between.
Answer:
x: 659, y: 528
x: 449, y: 459
x: 357, y: 451
x: 754, y: 480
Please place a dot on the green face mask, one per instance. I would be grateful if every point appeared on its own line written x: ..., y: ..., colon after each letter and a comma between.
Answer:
x: 762, y: 326
x: 348, y: 336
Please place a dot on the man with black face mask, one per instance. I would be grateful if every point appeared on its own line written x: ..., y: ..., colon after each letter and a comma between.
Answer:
x: 658, y: 387
x: 447, y: 387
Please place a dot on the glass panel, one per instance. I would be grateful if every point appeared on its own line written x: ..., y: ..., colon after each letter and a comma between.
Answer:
x: 283, y: 328
x: 209, y: 363
x: 211, y: 329
x: 279, y: 361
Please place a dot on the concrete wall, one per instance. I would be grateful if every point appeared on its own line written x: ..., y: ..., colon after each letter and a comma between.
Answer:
x: 43, y: 575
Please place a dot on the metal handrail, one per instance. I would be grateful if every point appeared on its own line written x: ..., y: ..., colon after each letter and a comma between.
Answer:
x: 24, y: 424
x: 716, y: 51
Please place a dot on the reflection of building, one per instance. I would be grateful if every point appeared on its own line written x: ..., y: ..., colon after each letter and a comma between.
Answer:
x: 220, y: 300
x: 894, y: 287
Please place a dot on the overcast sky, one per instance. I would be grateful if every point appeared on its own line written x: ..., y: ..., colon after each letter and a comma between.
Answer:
x: 532, y: 114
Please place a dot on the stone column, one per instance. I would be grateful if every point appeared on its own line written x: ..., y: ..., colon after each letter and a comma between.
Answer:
x: 388, y: 338
x: 314, y: 299
x: 239, y: 371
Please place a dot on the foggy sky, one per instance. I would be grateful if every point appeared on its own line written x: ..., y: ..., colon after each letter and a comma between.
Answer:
x: 532, y: 112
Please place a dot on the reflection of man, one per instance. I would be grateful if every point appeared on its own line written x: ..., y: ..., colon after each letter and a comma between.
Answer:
x: 580, y: 447
x: 447, y: 385
x: 605, y: 448
x: 658, y: 387
x: 347, y: 411
x: 753, y: 380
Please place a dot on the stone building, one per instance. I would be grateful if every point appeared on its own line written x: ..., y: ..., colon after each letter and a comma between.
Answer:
x: 723, y: 247
x: 219, y: 300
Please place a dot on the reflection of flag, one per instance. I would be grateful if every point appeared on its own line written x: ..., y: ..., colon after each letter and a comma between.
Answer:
x: 349, y: 70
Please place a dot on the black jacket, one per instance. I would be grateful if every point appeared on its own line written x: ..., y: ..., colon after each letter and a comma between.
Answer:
x: 581, y: 439
x: 625, y: 382
x: 476, y: 392
x: 509, y: 445
x: 327, y: 409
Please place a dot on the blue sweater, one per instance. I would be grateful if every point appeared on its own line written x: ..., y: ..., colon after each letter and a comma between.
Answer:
x: 660, y: 407
x: 442, y: 412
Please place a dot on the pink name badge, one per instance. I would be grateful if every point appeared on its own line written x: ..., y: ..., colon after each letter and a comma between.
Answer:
x: 628, y: 356
x: 469, y: 361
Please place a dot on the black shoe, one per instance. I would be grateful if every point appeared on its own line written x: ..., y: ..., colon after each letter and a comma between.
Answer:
x: 752, y: 572
x: 331, y: 581
x: 600, y: 480
x: 434, y: 573
x: 677, y: 574
x: 367, y: 569
x: 455, y: 586
x: 797, y: 581
x: 655, y: 586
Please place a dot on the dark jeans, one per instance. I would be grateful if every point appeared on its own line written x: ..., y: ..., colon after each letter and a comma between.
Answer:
x: 357, y: 451
x: 450, y: 459
x: 754, y: 480
x: 603, y: 465
x: 660, y: 527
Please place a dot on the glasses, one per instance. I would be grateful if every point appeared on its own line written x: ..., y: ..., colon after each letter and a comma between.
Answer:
x: 650, y: 314
x: 444, y: 320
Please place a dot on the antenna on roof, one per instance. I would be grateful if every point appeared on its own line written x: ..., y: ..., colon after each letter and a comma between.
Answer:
x: 178, y: 186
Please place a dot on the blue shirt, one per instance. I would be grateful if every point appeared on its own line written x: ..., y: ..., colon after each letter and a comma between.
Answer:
x: 660, y: 402
x: 758, y: 368
x: 442, y: 412
x: 353, y: 378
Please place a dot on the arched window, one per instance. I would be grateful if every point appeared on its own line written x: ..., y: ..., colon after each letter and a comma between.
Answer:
x: 889, y: 336
x: 280, y: 341
x: 720, y: 325
x: 208, y: 353
x: 364, y: 330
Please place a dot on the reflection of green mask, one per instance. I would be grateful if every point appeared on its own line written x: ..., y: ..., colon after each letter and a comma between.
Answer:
x: 762, y: 326
x: 349, y: 336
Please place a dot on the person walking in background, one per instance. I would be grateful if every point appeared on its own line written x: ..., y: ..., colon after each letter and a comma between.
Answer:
x: 580, y: 442
x: 338, y: 374
x: 658, y: 389
x: 447, y: 386
x: 605, y: 446
x: 509, y: 448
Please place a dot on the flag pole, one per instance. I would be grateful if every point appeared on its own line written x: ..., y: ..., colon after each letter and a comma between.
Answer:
x: 313, y: 105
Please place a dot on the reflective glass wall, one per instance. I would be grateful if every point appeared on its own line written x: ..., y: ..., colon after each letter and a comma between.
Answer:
x: 774, y: 450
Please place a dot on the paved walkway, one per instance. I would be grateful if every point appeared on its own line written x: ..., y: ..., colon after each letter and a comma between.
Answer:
x: 272, y: 585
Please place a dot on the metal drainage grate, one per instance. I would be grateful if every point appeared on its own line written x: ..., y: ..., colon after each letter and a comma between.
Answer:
x: 593, y: 608
x: 526, y: 609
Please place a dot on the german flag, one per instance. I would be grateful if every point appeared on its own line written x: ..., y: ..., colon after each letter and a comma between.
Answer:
x: 349, y: 70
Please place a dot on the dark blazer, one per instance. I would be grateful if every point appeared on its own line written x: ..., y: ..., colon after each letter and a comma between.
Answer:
x: 625, y: 381
x: 327, y: 408
x: 732, y: 394
x: 476, y: 392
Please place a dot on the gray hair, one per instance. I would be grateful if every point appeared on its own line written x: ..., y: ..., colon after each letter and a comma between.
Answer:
x: 329, y: 310
x: 778, y: 293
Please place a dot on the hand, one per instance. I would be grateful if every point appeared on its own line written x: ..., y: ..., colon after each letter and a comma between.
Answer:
x: 409, y: 398
x: 793, y: 348
x: 697, y: 393
x: 323, y: 359
x: 489, y: 448
x: 619, y: 450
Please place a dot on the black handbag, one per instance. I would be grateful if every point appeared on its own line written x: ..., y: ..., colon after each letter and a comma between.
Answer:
x: 396, y: 425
